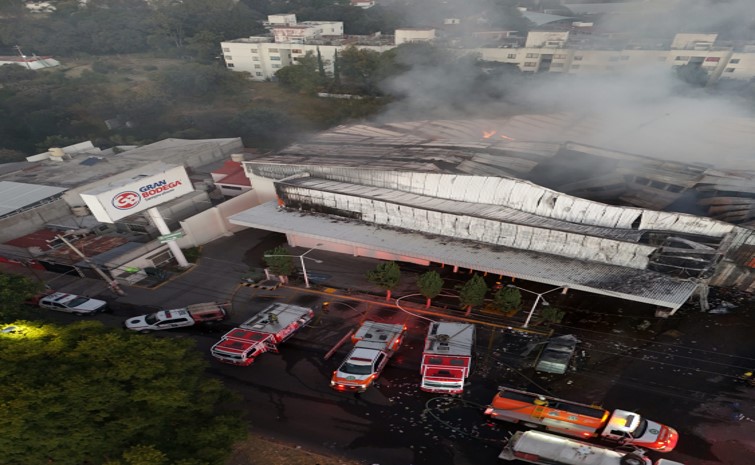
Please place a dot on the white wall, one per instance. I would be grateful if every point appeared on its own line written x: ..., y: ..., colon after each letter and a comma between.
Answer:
x: 213, y: 223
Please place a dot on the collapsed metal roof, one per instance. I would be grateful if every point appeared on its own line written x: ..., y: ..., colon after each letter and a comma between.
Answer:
x: 616, y: 281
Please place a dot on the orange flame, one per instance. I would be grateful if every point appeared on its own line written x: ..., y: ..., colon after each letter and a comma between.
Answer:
x: 488, y: 134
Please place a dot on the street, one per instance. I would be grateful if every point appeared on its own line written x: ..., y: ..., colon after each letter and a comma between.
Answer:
x: 679, y: 372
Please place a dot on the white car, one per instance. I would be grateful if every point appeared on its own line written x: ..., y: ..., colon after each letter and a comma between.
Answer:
x: 72, y: 303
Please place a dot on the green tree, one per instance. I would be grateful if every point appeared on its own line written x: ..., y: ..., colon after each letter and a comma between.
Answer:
x: 359, y: 69
x: 14, y: 290
x: 430, y: 284
x: 507, y: 299
x: 280, y: 261
x: 692, y: 74
x: 552, y: 315
x: 84, y: 393
x: 385, y: 275
x: 472, y: 293
x: 303, y: 76
x: 262, y: 127
x: 320, y: 65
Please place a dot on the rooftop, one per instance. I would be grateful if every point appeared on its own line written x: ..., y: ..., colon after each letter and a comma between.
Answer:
x: 16, y: 196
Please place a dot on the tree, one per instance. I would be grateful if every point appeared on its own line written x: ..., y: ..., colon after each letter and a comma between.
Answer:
x: 507, y: 299
x: 385, y: 275
x: 692, y: 74
x: 14, y: 290
x: 84, y: 393
x: 430, y: 284
x: 304, y: 76
x: 359, y: 68
x: 280, y: 261
x: 472, y: 293
x: 262, y: 127
x: 552, y: 315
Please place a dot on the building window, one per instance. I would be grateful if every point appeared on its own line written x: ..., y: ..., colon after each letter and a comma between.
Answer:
x: 255, y: 58
x: 681, y: 58
x: 530, y: 64
x: 276, y: 66
x: 225, y: 49
x: 296, y: 50
x: 532, y: 55
x: 257, y: 67
x: 254, y: 50
x: 559, y: 57
x: 275, y: 58
x: 713, y: 59
x: 272, y: 50
x: 230, y: 65
x: 729, y: 70
x: 258, y: 74
x: 511, y: 56
x: 577, y: 57
x: 734, y: 61
x: 228, y: 57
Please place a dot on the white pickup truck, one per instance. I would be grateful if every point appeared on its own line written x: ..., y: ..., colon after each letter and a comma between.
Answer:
x: 191, y: 315
x: 374, y: 344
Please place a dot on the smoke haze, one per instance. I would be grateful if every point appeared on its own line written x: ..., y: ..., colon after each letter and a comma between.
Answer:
x: 644, y: 110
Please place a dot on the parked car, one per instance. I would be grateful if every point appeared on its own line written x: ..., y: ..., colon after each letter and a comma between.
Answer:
x: 71, y: 303
x: 205, y: 313
x: 557, y: 354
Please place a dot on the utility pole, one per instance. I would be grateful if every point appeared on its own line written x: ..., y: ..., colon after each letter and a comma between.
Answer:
x: 111, y: 282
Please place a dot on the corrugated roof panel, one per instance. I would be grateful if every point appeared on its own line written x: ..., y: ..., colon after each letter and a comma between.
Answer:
x: 18, y: 195
x: 625, y: 283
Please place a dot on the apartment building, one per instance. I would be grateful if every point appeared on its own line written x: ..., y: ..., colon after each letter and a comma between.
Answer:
x: 289, y: 40
x: 553, y: 51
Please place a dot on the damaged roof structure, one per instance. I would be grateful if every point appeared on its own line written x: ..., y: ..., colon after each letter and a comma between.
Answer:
x: 464, y: 193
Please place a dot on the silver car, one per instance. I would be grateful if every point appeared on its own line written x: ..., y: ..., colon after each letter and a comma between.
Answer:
x: 71, y: 303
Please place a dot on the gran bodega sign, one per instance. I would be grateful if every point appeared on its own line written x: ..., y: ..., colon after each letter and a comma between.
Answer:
x: 125, y: 197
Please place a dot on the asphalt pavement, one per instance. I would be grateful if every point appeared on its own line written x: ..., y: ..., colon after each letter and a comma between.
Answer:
x: 678, y: 371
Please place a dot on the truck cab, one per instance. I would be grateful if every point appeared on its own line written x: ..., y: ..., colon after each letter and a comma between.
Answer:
x: 375, y: 343
x: 629, y: 427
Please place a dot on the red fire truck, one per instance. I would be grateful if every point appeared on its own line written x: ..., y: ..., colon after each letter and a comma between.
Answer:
x: 447, y: 358
x: 261, y: 333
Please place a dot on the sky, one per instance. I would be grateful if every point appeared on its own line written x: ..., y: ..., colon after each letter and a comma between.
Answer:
x: 647, y: 110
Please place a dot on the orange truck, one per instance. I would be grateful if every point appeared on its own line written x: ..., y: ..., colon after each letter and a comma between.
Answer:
x: 447, y: 358
x: 374, y: 344
x: 580, y: 420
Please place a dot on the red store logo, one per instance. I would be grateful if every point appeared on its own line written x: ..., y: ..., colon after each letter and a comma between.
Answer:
x: 126, y: 200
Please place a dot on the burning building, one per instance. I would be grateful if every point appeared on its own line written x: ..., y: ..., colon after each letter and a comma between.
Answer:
x: 489, y: 196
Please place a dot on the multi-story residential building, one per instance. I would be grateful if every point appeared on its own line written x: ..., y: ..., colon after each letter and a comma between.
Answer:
x: 263, y: 56
x: 573, y: 51
x: 551, y: 51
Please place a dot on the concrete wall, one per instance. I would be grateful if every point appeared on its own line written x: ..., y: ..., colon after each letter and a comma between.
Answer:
x: 32, y: 220
x: 213, y: 223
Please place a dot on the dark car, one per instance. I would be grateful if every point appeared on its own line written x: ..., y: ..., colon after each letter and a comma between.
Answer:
x: 557, y: 354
